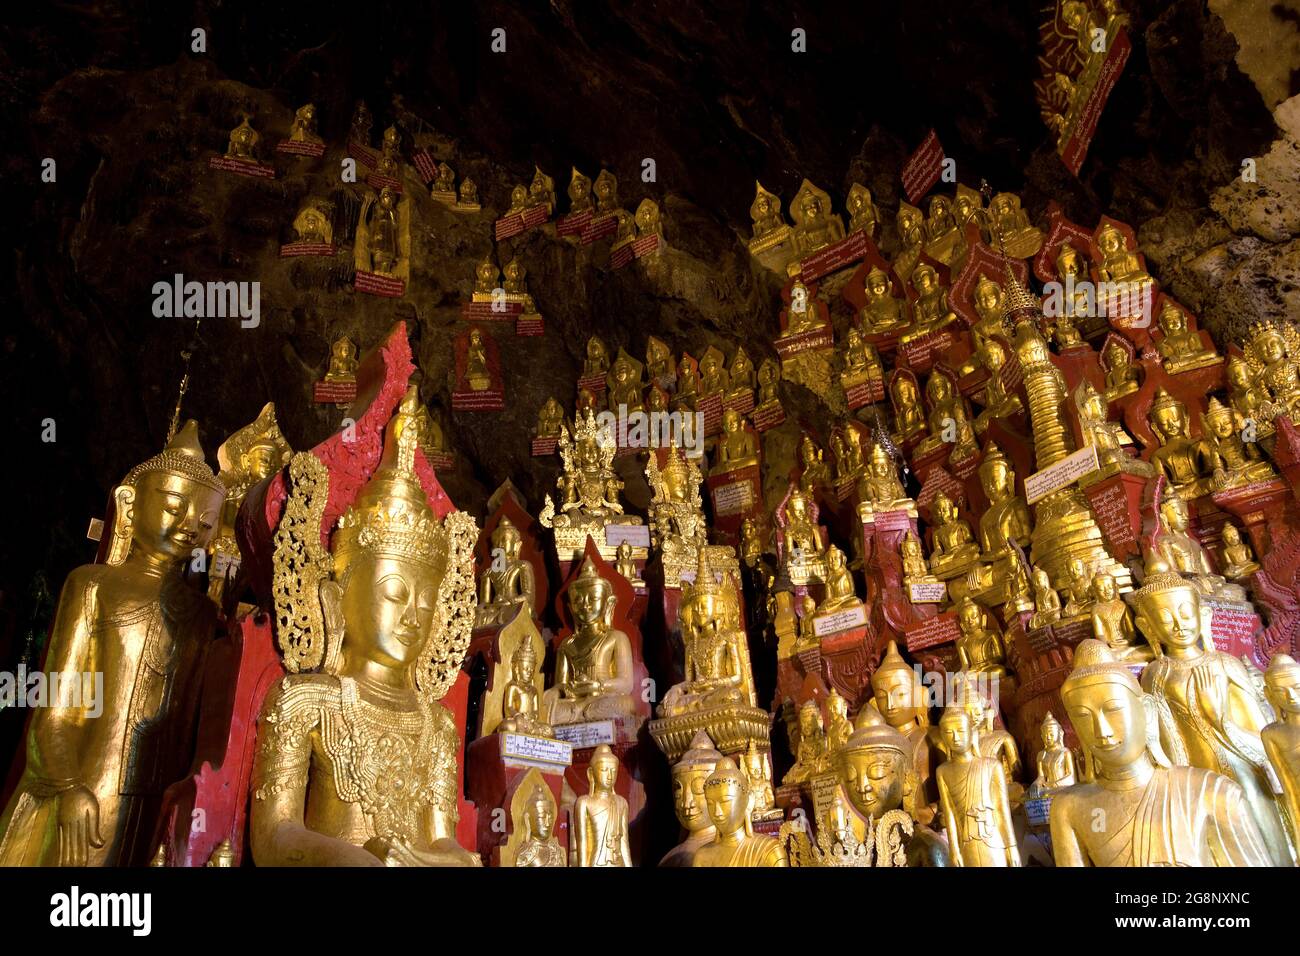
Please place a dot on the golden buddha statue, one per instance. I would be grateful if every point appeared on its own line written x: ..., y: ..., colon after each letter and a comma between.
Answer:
x: 1007, y: 516
x: 597, y: 361
x: 1118, y: 264
x: 881, y: 312
x: 303, y: 129
x: 973, y: 694
x: 676, y: 510
x: 803, y: 314
x: 688, y: 380
x: 816, y: 473
x: 343, y: 362
x: 624, y: 387
x: 1121, y: 376
x: 911, y: 236
x: 1234, y: 462
x: 1078, y: 588
x: 1047, y: 603
x: 658, y: 359
x: 648, y: 219
x: 444, y: 181
x: 516, y: 285
x: 991, y: 307
x: 600, y: 836
x: 998, y: 403
x: 1109, y: 438
x: 1162, y: 814
x: 1055, y: 762
x: 713, y: 375
x: 1072, y: 274
x: 906, y: 399
x: 915, y: 568
x: 812, y: 755
x: 243, y: 141
x: 815, y: 227
x: 973, y: 798
x: 539, y: 846
x: 312, y: 223
x: 478, y: 374
x: 579, y: 192
x: 589, y: 489
x: 726, y: 793
x: 840, y: 726
x: 1281, y: 738
x: 625, y: 564
x: 808, y: 638
x: 541, y: 191
x: 468, y: 196
x: 606, y: 190
x: 1181, y: 349
x: 879, y: 489
x: 1271, y: 353
x: 741, y: 373
x: 901, y: 698
x: 97, y: 762
x: 861, y: 361
x: 979, y: 649
x: 389, y: 162
x: 944, y: 239
x: 737, y: 446
x: 840, y: 593
x: 550, y: 419
x: 521, y: 704
x: 769, y: 378
x: 1183, y: 553
x: 948, y: 420
x: 862, y: 211
x: 769, y: 226
x: 1064, y: 334
x: 508, y: 582
x: 953, y: 548
x: 756, y: 765
x: 1009, y: 228
x: 800, y: 532
x: 1112, y: 622
x: 1184, y: 462
x: 372, y: 639
x: 690, y: 772
x: 1238, y: 560
x: 930, y: 310
x: 593, y: 665
x: 751, y: 542
x: 1212, y: 713
x: 381, y: 243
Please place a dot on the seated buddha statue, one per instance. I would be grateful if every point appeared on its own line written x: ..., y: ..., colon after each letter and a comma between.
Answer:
x: 1009, y: 228
x: 930, y: 309
x: 713, y: 376
x: 881, y: 311
x: 658, y: 360
x: 737, y: 446
x: 1273, y: 353
x: 1169, y: 815
x: 600, y: 816
x: 625, y: 389
x: 1109, y: 438
x: 597, y: 360
x: 243, y: 141
x: 1212, y: 711
x: 769, y: 381
x: 742, y: 375
x: 803, y: 314
x: 861, y: 361
x: 910, y: 224
x: 728, y: 798
x: 625, y: 564
x: 1072, y: 274
x: 516, y: 285
x: 579, y: 192
x: 303, y: 129
x: 688, y: 380
x: 97, y: 762
x: 540, y: 846
x: 816, y: 473
x: 541, y: 190
x: 606, y: 189
x: 1184, y: 462
x: 1047, y: 603
x: 1112, y: 622
x: 1118, y: 264
x: 1064, y: 334
x: 1078, y: 588
x: 343, y: 361
x: 356, y: 755
x: 1121, y: 376
x: 944, y: 241
x: 593, y: 665
x: 1238, y: 560
x: 949, y: 422
x: 879, y: 489
x: 507, y: 582
x: 589, y: 488
x: 1183, y: 553
x: 478, y: 374
x: 520, y: 705
x: 862, y: 211
x: 839, y: 726
x: 1055, y: 761
x: 550, y: 419
x: 1007, y: 516
x: 974, y: 798
x: 846, y: 443
x: 468, y: 195
x: 812, y: 755
x: 915, y: 568
x: 690, y: 772
x: 979, y: 649
x: 909, y: 418
x: 1246, y: 395
x: 953, y: 545
x: 814, y: 226
x: 716, y: 653
x: 445, y: 180
x: 998, y: 402
x: 769, y: 226
x: 649, y: 222
x: 1181, y: 349
x: 800, y: 535
x: 840, y: 593
x: 1233, y: 462
x: 991, y: 306
x: 312, y: 224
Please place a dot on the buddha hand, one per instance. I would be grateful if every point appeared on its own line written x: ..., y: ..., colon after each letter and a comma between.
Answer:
x: 78, y: 826
x: 1211, y: 687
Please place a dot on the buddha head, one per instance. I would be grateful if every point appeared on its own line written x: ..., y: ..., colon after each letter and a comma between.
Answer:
x: 540, y: 188
x: 1219, y: 420
x: 989, y: 299
x: 596, y: 352
x: 1103, y: 586
x: 539, y: 816
x: 1271, y: 346
x: 1042, y: 583
x: 606, y: 189
x: 809, y: 453
x: 908, y: 222
x: 514, y: 272
x: 970, y: 617
x: 945, y: 512
x: 903, y: 391
x: 941, y: 215
x: 305, y: 116
x: 709, y: 364
x: 741, y: 366
x: 726, y: 794
x: 1005, y: 209
x: 392, y: 139
x: 387, y: 199
x: 731, y: 421
x: 1172, y: 320
x: 811, y: 207
x: 343, y: 353
x: 897, y: 689
x: 602, y: 772
x: 796, y: 509
x: 1117, y: 358
x: 854, y: 341
x: 468, y: 191
x: 475, y: 339
x: 1231, y: 536
x: 689, y: 775
x: 1111, y: 241
x: 924, y: 279
x: 997, y: 477
x: 591, y: 599
x: 834, y: 560
x: 168, y: 506
x: 647, y: 217
x: 1168, y: 416
x: 1174, y: 511
x: 487, y: 273
x: 507, y: 538
x: 965, y: 203
x: 657, y: 399
x: 761, y: 208
x: 1106, y: 707
x: 675, y: 475
x: 876, y: 284
x: 1282, y: 685
x: 518, y: 196
x: 1069, y: 264
x: 957, y: 731
x: 769, y: 373
x: 858, y: 199
x: 579, y: 186
x: 836, y: 705
x: 1240, y: 376
x: 882, y: 465
x: 939, y: 389
x: 874, y: 766
x: 1168, y: 610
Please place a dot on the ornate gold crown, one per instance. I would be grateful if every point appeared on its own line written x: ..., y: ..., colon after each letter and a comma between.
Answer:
x: 183, y: 456
x: 1159, y: 579
x: 262, y: 432
x: 1163, y: 400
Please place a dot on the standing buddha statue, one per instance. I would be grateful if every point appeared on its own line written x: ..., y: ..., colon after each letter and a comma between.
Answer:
x: 973, y: 798
x: 1281, y: 738
x: 600, y: 836
x: 539, y: 846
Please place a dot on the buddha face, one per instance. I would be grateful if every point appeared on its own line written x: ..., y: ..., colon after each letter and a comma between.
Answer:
x: 730, y: 421
x: 944, y: 510
x: 519, y: 195
x: 538, y: 187
x: 808, y: 451
x: 812, y: 209
x: 688, y: 796
x: 590, y: 601
x: 924, y: 279
x: 307, y: 114
x: 508, y: 540
x: 997, y: 481
x: 881, y: 466
x: 955, y: 728
x: 258, y: 462
x: 875, y: 779
x: 1172, y: 617
x: 1220, y: 423
x: 1172, y: 320
x: 579, y: 186
x: 658, y: 400
x: 835, y: 559
x: 970, y: 618
x: 1004, y: 209
x: 909, y: 220
x: 877, y: 285
x: 762, y: 206
x: 1117, y: 357
x: 904, y: 392
x: 1042, y: 583
x: 988, y: 296
x: 1110, y: 241
x: 1239, y: 375
x: 963, y: 206
x: 1272, y: 347
x: 1282, y: 686
x: 1109, y: 719
x: 514, y: 271
x: 797, y: 509
x: 1051, y: 734
x: 727, y: 800
x: 1067, y: 263
x: 541, y: 819
x: 854, y: 340
x: 911, y: 549
x: 172, y: 515
x: 388, y: 606
x: 1169, y: 420
x: 603, y: 773
x: 604, y: 187
x: 1175, y: 513
x: 1231, y: 537
x: 939, y: 388
x: 895, y: 695
x: 940, y: 212
x: 1104, y: 585
x: 709, y: 367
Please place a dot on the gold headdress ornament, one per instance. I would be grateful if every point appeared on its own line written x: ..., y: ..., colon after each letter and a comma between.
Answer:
x: 183, y: 456
x: 705, y: 582
x: 262, y: 432
x: 1093, y: 659
x: 993, y: 458
x: 701, y: 753
x: 1164, y: 400
x: 1160, y: 579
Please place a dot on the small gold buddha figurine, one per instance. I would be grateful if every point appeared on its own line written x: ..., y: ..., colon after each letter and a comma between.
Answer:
x: 944, y: 240
x: 606, y: 189
x: 953, y: 547
x: 930, y: 310
x: 597, y: 361
x: 550, y: 419
x: 1078, y: 588
x: 841, y: 728
x: 1171, y: 815
x: 816, y: 473
x: 658, y: 359
x: 243, y: 141
x: 343, y: 361
x: 600, y: 835
x: 861, y: 361
x: 1121, y: 376
x: 520, y: 705
x: 801, y: 534
x: 862, y: 211
x: 991, y: 307
x: 1055, y: 762
x: 815, y: 227
x: 840, y: 593
x: 1181, y: 349
x: 487, y: 279
x: 303, y: 129
x: 1072, y: 273
x: 1047, y: 603
x: 973, y: 798
x: 1271, y: 353
x: 624, y: 388
x: 690, y: 772
x: 769, y: 226
x: 1234, y: 462
x: 389, y: 163
x: 881, y: 312
x: 879, y: 489
x: 808, y: 638
x: 688, y: 380
x: 769, y: 378
x: 910, y: 224
x: 1238, y: 560
x: 625, y: 564
x: 726, y: 793
x: 539, y: 846
x: 358, y: 723
x: 676, y: 511
x: 1282, y: 737
x: 1184, y: 462
x: 751, y: 542
x: 915, y: 568
x: 1007, y: 516
x: 741, y: 373
x: 379, y: 234
x: 579, y: 192
x: 1112, y: 622
x: 361, y: 123
x: 803, y: 314
x: 1212, y: 714
x: 648, y: 220
x: 1182, y: 551
x: 756, y: 765
x: 949, y: 422
x: 998, y: 403
x: 812, y: 754
x: 516, y: 285
x: 444, y: 181
x: 508, y: 581
x: 979, y: 649
x: 1064, y: 334
x: 312, y: 224
x: 737, y: 447
x: 478, y: 374
x: 95, y: 761
x: 909, y: 418
x: 1009, y: 228
x: 593, y: 665
x: 713, y: 375
x: 1109, y: 438
x: 467, y: 198
x: 1118, y: 264
x: 541, y: 191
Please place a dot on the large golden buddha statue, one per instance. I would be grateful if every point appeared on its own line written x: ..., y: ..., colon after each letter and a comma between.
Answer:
x: 99, y: 758
x: 901, y: 699
x: 1158, y: 814
x: 1282, y: 737
x: 356, y: 756
x: 726, y: 793
x: 589, y: 489
x: 690, y: 772
x: 1212, y: 712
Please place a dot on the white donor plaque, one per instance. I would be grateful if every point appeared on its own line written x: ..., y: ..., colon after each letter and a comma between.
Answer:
x: 1066, y: 471
x: 525, y: 750
x: 592, y: 734
x: 929, y: 592
x: 733, y: 499
x: 844, y: 620
x: 637, y: 535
